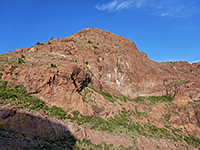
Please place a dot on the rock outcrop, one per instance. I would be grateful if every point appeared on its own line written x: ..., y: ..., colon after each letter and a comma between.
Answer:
x: 98, y: 74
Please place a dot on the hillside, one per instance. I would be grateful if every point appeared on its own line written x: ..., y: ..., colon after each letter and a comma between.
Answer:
x: 96, y: 90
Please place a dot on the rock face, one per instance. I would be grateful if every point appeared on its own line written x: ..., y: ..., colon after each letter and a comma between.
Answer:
x: 56, y: 86
x: 33, y: 125
x: 59, y: 71
x: 116, y: 66
x: 29, y: 124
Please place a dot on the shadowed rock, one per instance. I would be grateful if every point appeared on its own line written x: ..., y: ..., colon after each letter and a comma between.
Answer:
x: 21, y: 130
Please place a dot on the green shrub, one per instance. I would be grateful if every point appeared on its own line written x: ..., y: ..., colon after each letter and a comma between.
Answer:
x: 57, y: 112
x: 22, y: 56
x: 107, y: 96
x: 156, y: 99
x: 124, y: 124
x: 38, y: 43
x: 53, y: 66
x: 18, y: 96
x: 20, y: 61
x: 90, y: 42
x: 153, y: 99
x: 87, y: 144
x: 166, y: 116
x: 75, y: 115
x: 90, y: 71
x: 94, y: 46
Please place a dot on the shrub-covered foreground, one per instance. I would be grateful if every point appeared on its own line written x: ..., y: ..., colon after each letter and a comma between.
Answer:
x: 17, y: 95
x: 153, y: 99
x: 121, y: 123
x: 87, y: 144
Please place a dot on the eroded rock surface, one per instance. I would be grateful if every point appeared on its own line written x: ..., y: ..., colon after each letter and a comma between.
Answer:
x: 59, y: 71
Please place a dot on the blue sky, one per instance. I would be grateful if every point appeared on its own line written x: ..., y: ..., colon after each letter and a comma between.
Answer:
x: 167, y: 30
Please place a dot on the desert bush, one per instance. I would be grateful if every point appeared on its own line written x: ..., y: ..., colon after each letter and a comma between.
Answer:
x: 53, y: 66
x: 106, y: 95
x: 18, y: 96
x: 57, y: 112
x: 94, y: 46
x: 22, y: 56
x: 90, y: 42
x: 20, y: 61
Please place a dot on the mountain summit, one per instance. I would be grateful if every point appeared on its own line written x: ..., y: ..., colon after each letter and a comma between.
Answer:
x: 101, y: 89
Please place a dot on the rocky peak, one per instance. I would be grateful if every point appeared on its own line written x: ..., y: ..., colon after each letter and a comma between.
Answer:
x: 104, y: 89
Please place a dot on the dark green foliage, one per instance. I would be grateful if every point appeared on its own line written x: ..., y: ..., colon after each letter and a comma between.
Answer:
x: 156, y: 99
x: 88, y: 145
x: 20, y: 61
x: 75, y: 115
x: 153, y: 99
x: 124, y: 124
x: 1, y: 74
x: 125, y: 99
x: 49, y: 42
x: 176, y: 82
x: 104, y: 94
x: 53, y: 66
x: 166, y: 116
x: 56, y: 112
x: 91, y: 122
x: 94, y: 46
x: 86, y: 62
x: 90, y: 42
x: 22, y: 56
x: 18, y: 96
x: 38, y: 43
x: 14, y: 67
x: 90, y: 71
x: 198, y: 66
x: 192, y: 140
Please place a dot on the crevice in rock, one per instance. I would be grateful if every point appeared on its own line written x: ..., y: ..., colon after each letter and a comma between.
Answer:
x: 34, y: 92
x: 83, y: 84
x: 74, y: 82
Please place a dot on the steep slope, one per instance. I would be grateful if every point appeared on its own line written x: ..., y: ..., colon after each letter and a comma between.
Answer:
x: 97, y: 79
x: 150, y: 123
x: 116, y: 65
